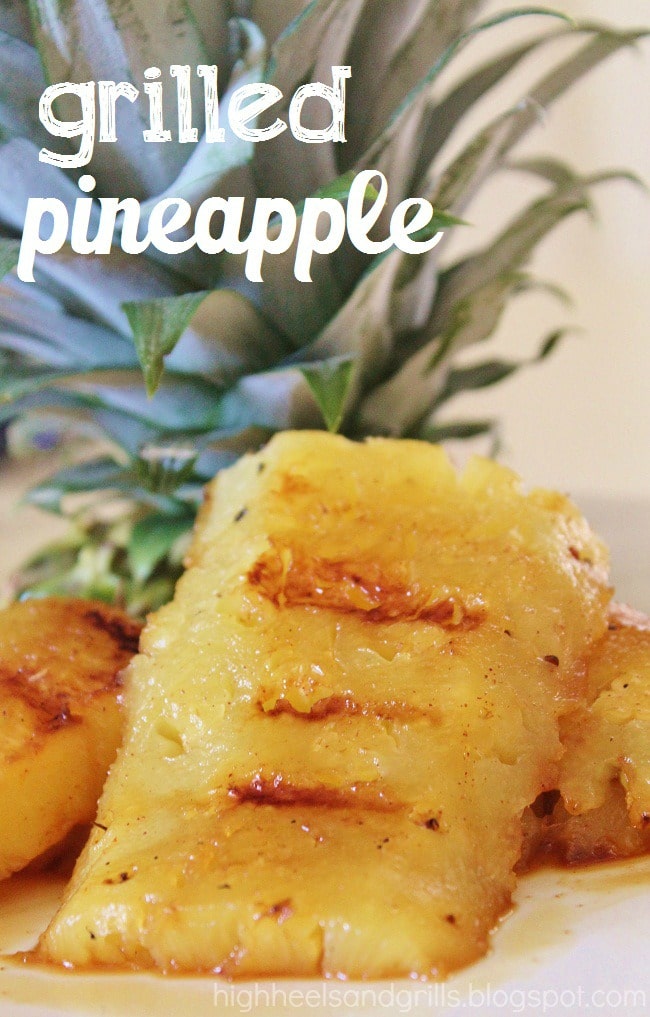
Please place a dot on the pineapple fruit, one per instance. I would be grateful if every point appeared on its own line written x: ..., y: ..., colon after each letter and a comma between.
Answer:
x: 374, y: 345
x: 334, y: 728
x: 60, y: 718
x: 601, y: 808
x: 614, y: 728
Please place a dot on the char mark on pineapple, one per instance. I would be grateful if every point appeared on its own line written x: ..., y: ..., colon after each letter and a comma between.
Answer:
x: 279, y: 792
x: 290, y: 577
x: 51, y: 706
x: 340, y: 706
x: 124, y: 633
x: 544, y: 804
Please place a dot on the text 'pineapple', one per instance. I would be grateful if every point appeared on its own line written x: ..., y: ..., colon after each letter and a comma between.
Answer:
x: 172, y: 226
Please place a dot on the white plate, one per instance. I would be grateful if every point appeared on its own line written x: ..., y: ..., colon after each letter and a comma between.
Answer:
x: 576, y: 942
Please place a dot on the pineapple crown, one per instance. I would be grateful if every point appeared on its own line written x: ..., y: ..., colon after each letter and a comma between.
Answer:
x: 374, y: 344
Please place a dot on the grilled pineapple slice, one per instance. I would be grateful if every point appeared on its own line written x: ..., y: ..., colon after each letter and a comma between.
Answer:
x: 602, y: 807
x: 60, y: 720
x: 612, y: 736
x: 334, y: 728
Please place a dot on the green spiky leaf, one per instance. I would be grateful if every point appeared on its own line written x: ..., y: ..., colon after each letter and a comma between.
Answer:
x: 458, y: 431
x: 9, y: 252
x: 157, y: 326
x: 490, y: 372
x: 152, y: 539
x: 126, y: 36
x: 329, y: 382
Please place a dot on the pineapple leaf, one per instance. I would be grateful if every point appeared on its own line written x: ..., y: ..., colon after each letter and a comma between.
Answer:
x: 84, y: 477
x: 96, y: 288
x: 394, y: 52
x: 287, y: 307
x: 152, y: 539
x: 511, y: 250
x: 14, y: 19
x: 294, y: 54
x: 605, y: 41
x: 275, y: 19
x: 184, y: 405
x: 227, y: 336
x: 47, y: 351
x: 157, y: 326
x: 106, y: 475
x: 207, y: 169
x: 527, y: 284
x: 362, y: 327
x: 167, y: 469
x: 79, y: 413
x: 339, y: 189
x: 269, y: 401
x: 79, y: 40
x: 491, y: 372
x: 389, y: 152
x: 44, y: 332
x: 558, y: 173
x: 35, y: 349
x: 439, y: 119
x: 461, y: 430
x: 469, y: 304
x: 21, y: 380
x: 294, y: 309
x: 330, y: 382
x: 9, y: 251
x: 21, y: 84
x: 211, y: 20
x: 181, y: 403
x: 93, y: 563
x: 216, y: 169
x: 314, y: 42
x: 550, y: 345
x: 487, y: 151
x: 483, y: 375
x: 24, y: 177
x: 392, y: 154
x: 128, y: 433
x: 297, y: 311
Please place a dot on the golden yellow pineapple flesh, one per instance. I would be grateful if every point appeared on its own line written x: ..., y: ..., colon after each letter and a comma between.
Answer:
x: 611, y: 736
x: 60, y: 718
x: 335, y: 727
x: 602, y: 806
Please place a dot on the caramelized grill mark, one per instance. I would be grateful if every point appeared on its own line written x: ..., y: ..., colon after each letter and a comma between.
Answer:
x: 338, y: 706
x: 53, y: 706
x: 545, y: 803
x: 288, y: 577
x: 55, y: 680
x: 279, y: 792
x: 124, y: 632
